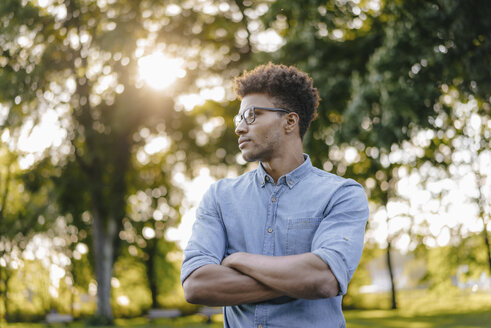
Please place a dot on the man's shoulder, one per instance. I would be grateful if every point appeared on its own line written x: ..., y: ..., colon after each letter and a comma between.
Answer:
x: 235, y: 182
x: 332, y: 179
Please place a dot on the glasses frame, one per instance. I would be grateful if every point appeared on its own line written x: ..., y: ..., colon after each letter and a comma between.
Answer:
x: 240, y: 117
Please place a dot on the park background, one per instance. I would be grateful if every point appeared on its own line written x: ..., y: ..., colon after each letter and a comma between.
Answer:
x: 115, y: 116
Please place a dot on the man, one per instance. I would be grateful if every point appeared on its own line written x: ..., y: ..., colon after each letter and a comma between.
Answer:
x: 276, y: 246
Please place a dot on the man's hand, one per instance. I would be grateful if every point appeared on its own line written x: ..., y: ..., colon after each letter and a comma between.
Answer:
x: 229, y: 260
x: 299, y: 276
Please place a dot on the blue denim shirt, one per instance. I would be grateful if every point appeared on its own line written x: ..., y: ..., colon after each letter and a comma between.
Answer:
x: 308, y: 210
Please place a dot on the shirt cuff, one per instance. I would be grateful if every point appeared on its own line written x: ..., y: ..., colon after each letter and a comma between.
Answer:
x: 194, y: 263
x: 337, y: 266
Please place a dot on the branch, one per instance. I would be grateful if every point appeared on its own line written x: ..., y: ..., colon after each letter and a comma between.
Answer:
x: 242, y: 11
x: 85, y: 167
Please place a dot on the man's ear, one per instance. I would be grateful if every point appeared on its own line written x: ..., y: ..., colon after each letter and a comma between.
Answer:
x: 292, y: 121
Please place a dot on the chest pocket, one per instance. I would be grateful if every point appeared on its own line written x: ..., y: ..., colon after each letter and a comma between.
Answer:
x: 299, y: 235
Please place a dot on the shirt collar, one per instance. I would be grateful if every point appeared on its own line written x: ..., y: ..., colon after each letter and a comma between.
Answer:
x: 291, y: 178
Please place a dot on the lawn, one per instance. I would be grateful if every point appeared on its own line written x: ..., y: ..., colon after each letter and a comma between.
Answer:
x: 419, y: 309
x: 354, y: 318
x: 396, y: 319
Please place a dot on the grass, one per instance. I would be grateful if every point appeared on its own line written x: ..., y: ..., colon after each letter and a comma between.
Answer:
x: 419, y: 309
x: 192, y: 321
x: 396, y: 319
x: 354, y: 318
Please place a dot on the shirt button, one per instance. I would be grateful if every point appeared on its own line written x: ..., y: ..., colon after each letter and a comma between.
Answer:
x: 273, y: 199
x: 267, y: 178
x: 290, y: 182
x: 270, y: 230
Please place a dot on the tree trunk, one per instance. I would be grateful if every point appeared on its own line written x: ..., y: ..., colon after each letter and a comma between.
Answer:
x: 486, y: 241
x: 481, y: 201
x: 104, y: 232
x: 152, y: 279
x: 385, y: 199
x: 391, y: 275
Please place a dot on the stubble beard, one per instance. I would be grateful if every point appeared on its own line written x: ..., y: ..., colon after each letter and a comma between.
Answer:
x: 263, y: 154
x: 253, y: 157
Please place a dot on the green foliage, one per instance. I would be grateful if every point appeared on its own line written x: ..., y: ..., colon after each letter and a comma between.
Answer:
x: 28, y: 295
x: 62, y: 61
x: 132, y: 284
x: 22, y: 214
x: 82, y: 272
x: 446, y: 265
x: 382, y: 73
x: 167, y: 268
x: 361, y: 277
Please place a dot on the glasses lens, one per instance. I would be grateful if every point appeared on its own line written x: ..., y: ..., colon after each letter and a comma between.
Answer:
x: 249, y: 115
x: 237, y: 120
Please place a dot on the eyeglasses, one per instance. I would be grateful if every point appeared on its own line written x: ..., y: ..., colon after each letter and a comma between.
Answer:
x: 249, y: 115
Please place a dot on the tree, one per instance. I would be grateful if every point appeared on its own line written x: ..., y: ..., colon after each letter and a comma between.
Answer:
x: 459, y: 144
x: 380, y: 72
x: 80, y: 60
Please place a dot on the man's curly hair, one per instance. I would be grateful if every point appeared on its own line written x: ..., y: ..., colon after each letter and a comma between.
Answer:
x: 289, y: 87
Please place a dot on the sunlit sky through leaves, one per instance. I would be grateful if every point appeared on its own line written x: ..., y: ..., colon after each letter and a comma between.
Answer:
x: 160, y: 71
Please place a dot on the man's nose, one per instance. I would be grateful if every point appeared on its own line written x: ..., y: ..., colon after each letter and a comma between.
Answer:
x: 241, y: 128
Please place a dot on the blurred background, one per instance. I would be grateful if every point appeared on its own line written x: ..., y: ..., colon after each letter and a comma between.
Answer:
x: 116, y: 116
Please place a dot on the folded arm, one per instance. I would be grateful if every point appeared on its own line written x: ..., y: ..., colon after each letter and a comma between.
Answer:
x: 299, y: 276
x: 218, y: 285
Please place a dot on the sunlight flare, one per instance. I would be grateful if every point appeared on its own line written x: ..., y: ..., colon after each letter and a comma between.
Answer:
x: 160, y: 71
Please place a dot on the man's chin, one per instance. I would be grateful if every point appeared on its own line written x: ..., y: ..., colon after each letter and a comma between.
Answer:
x: 248, y: 157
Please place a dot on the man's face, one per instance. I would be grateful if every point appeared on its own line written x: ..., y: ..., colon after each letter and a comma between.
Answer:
x: 261, y: 140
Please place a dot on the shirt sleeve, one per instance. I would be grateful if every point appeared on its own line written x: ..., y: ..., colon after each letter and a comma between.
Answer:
x: 208, y: 239
x: 339, y: 239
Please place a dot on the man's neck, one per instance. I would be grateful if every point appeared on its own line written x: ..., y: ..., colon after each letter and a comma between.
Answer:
x: 282, y: 165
